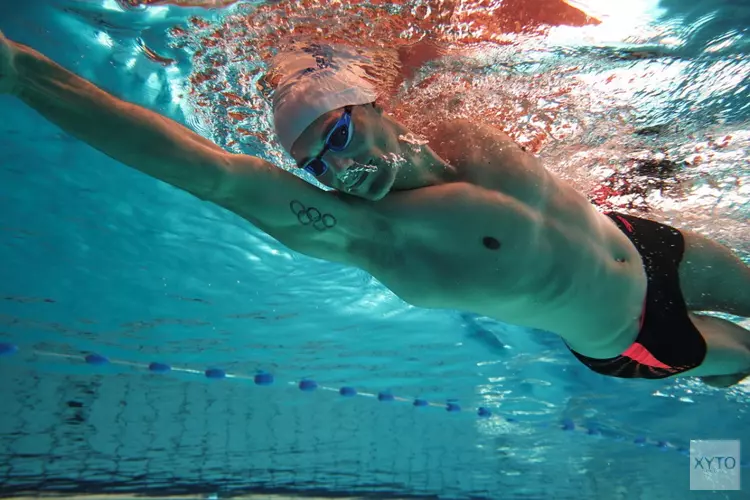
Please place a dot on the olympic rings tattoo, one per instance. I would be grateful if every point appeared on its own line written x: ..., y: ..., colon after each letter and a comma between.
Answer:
x: 312, y: 216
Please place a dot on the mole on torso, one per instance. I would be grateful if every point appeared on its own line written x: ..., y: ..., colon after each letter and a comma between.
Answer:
x: 491, y: 243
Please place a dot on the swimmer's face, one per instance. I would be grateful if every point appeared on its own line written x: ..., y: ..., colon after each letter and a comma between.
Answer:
x: 360, y: 151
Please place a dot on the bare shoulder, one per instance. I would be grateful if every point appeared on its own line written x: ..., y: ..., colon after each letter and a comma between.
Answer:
x: 487, y: 157
x: 469, y: 128
x: 469, y: 144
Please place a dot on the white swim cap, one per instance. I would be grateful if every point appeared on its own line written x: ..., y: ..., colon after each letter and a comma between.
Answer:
x: 316, y: 79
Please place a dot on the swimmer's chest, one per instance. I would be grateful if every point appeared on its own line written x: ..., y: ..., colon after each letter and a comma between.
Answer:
x: 473, y: 240
x: 457, y: 244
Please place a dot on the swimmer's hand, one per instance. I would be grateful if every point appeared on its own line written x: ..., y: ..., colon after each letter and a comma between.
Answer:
x: 8, y: 73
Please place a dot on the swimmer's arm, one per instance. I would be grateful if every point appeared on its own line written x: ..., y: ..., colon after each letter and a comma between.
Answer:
x: 322, y: 224
x: 133, y: 135
x: 312, y: 221
x: 412, y: 57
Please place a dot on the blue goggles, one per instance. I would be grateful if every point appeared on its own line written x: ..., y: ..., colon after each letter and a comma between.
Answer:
x: 337, y: 140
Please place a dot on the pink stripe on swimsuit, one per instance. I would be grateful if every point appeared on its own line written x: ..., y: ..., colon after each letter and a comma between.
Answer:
x: 639, y: 353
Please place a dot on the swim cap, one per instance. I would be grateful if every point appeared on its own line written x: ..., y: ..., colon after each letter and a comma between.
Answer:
x: 316, y: 79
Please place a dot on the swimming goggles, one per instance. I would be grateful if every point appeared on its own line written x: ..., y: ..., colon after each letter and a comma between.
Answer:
x: 337, y: 140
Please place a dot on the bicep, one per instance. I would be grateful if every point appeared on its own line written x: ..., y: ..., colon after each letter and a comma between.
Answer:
x: 301, y: 216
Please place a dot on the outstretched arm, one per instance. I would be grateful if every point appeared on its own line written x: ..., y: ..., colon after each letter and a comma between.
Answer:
x: 296, y: 213
x: 128, y: 133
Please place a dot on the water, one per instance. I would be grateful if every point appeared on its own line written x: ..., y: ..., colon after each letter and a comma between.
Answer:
x: 647, y: 111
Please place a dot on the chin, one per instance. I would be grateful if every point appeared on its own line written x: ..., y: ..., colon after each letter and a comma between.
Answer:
x: 380, y: 186
x: 377, y: 196
x: 371, y: 195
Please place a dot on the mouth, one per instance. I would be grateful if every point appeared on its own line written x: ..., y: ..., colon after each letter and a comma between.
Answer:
x: 361, y: 178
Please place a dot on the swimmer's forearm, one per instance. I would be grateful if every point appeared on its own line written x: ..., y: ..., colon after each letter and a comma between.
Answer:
x: 128, y: 133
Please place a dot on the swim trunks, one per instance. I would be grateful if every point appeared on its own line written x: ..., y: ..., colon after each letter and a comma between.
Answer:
x: 668, y: 343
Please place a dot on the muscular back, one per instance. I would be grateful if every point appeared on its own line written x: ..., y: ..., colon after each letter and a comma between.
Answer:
x: 509, y: 241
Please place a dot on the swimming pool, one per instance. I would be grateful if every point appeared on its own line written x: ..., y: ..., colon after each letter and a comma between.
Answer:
x: 647, y: 110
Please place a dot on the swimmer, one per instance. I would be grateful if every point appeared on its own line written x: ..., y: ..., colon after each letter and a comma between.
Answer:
x: 463, y: 219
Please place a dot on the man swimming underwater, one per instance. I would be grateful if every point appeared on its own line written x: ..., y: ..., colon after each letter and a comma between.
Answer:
x: 470, y: 222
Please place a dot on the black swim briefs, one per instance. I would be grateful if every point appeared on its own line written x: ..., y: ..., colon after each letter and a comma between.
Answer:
x: 668, y: 342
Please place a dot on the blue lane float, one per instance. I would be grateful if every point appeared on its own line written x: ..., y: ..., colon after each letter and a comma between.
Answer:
x: 8, y: 349
x: 348, y: 392
x: 159, y: 368
x: 215, y: 373
x: 262, y: 378
x: 385, y: 396
x: 308, y: 385
x: 96, y: 359
x: 452, y: 407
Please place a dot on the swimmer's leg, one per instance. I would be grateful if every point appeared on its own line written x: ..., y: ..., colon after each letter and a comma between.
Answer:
x: 728, y: 356
x: 713, y: 278
x: 723, y: 381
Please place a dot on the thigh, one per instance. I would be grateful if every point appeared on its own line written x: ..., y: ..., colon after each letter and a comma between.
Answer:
x: 713, y: 278
x: 728, y: 347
